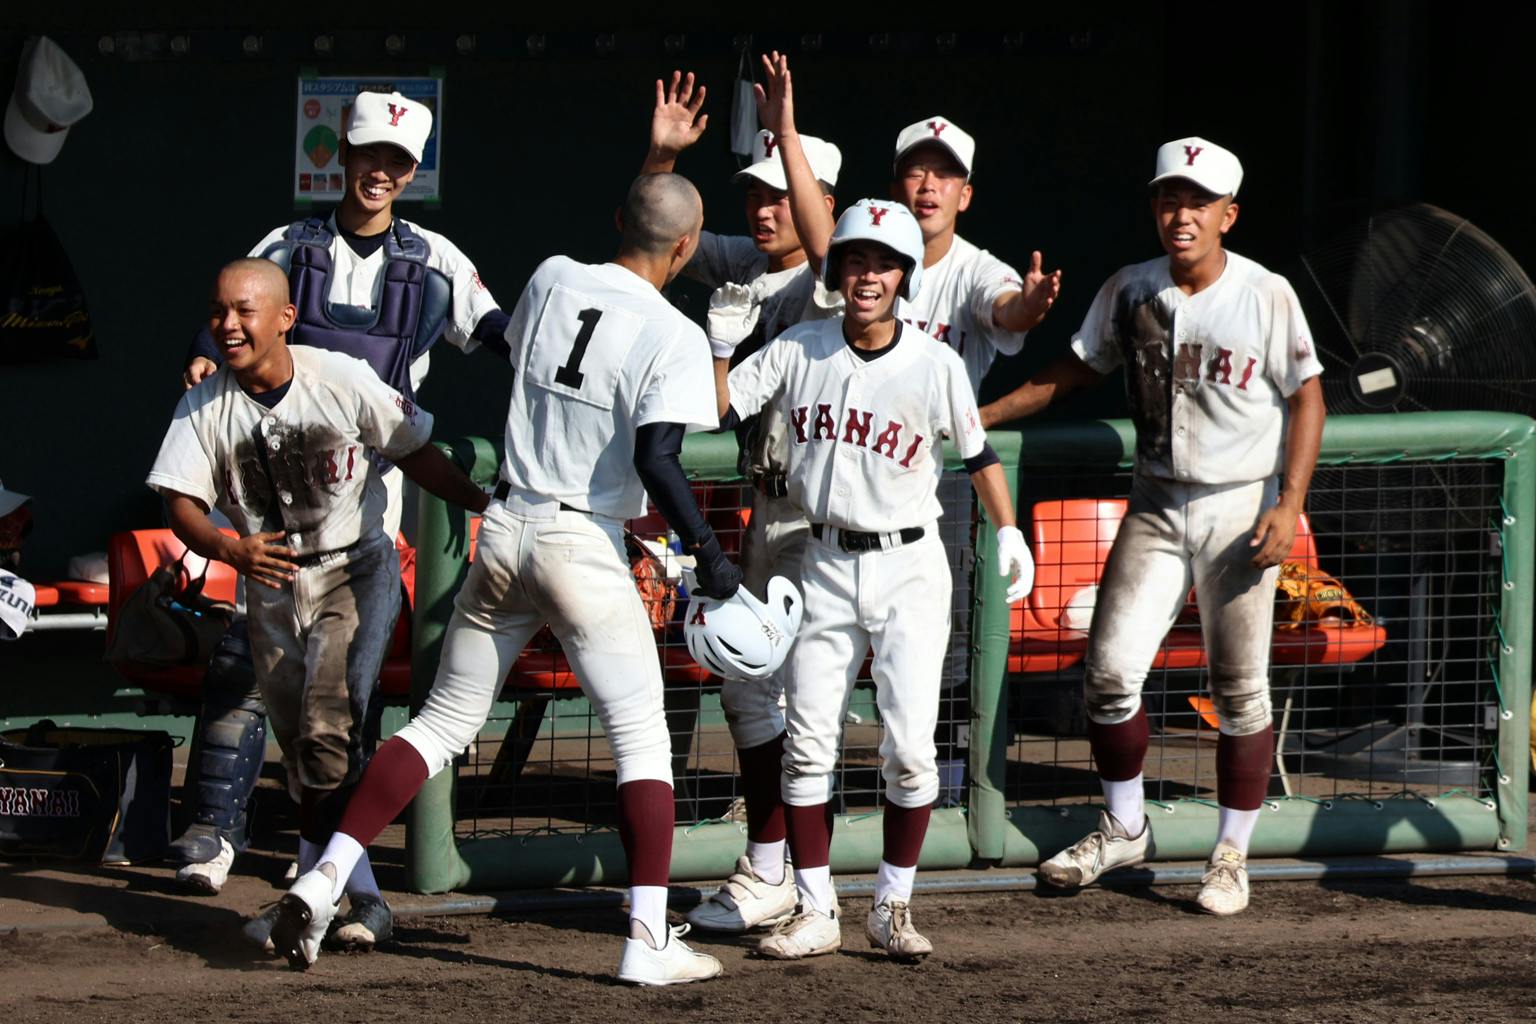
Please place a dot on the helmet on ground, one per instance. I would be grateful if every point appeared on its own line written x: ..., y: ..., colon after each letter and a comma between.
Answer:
x: 741, y: 637
x: 878, y: 220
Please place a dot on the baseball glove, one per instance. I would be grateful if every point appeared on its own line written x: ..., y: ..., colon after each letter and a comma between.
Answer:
x: 1307, y: 594
x: 657, y: 591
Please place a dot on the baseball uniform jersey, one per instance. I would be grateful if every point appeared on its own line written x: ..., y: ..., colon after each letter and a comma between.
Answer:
x: 599, y: 353
x: 954, y: 305
x: 300, y: 466
x: 1207, y: 374
x: 862, y: 434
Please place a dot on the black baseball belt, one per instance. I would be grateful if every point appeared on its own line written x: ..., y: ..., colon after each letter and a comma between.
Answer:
x: 503, y: 489
x: 854, y: 541
x: 314, y: 558
x: 771, y: 485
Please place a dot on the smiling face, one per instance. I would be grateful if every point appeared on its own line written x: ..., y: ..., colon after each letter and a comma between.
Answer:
x: 249, y: 315
x: 933, y: 185
x: 376, y: 175
x: 1190, y: 224
x: 869, y: 276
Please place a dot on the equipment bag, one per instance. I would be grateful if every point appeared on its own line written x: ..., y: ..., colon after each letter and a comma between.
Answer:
x: 43, y: 314
x: 85, y: 794
x: 169, y: 621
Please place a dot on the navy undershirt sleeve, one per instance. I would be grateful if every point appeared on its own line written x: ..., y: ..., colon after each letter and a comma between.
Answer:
x: 657, y: 447
x: 203, y: 346
x: 491, y: 332
x: 982, y: 459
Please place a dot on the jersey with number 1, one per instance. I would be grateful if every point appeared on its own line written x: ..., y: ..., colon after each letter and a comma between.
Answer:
x: 599, y: 353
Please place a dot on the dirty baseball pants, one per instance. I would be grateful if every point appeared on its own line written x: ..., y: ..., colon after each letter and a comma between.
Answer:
x: 316, y: 646
x: 1175, y: 535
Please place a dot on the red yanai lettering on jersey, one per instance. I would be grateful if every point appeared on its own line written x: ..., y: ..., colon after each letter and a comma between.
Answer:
x: 858, y: 424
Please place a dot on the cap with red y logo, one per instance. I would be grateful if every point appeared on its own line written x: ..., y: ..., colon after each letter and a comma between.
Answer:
x: 392, y: 118
x: 1204, y: 163
x: 938, y: 131
x: 825, y: 160
x: 879, y: 220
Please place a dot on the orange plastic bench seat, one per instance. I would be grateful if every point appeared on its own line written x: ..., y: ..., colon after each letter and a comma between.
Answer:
x: 1071, y: 540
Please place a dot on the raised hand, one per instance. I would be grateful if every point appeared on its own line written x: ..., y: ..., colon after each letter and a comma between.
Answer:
x: 1040, y: 289
x: 776, y: 100
x: 676, y: 122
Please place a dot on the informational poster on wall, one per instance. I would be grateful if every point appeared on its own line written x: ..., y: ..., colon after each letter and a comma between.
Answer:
x: 325, y: 106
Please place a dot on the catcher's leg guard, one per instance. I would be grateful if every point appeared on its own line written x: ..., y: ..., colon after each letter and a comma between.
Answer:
x: 231, y: 745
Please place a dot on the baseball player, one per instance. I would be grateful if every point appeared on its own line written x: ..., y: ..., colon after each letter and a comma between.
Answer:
x: 1222, y: 382
x: 764, y: 285
x: 281, y: 440
x: 372, y: 285
x: 972, y: 301
x: 616, y: 374
x: 867, y: 402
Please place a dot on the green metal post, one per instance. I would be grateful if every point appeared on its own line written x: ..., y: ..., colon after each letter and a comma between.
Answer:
x: 1518, y: 531
x: 990, y: 637
x: 432, y: 859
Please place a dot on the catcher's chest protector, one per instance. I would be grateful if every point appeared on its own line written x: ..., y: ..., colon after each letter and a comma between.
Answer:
x: 412, y: 306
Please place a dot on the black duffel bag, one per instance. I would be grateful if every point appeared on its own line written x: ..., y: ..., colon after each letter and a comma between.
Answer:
x: 100, y: 795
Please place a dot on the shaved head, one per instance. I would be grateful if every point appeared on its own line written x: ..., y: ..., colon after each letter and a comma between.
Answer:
x: 659, y: 210
x: 249, y: 317
x: 270, y: 281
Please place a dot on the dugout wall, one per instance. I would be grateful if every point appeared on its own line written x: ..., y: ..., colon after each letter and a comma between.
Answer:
x: 1406, y: 732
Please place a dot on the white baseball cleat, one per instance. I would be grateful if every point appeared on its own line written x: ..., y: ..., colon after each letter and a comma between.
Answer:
x: 889, y: 927
x: 208, y: 877
x: 1108, y: 846
x: 808, y: 933
x: 672, y: 964
x: 303, y: 915
x: 1224, y: 886
x: 745, y: 902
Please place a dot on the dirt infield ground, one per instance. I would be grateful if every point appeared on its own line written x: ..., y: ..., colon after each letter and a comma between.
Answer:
x: 1443, y: 950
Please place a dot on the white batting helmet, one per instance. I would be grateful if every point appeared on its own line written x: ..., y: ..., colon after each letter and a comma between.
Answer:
x: 741, y: 637
x: 879, y: 220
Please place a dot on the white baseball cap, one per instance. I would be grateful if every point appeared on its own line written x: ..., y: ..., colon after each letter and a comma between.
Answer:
x: 10, y: 501
x: 50, y: 95
x: 879, y: 220
x: 1206, y: 164
x: 390, y: 117
x: 825, y: 160
x: 939, y: 130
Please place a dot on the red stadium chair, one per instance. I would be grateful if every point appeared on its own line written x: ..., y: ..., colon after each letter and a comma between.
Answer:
x: 131, y: 558
x: 1071, y: 540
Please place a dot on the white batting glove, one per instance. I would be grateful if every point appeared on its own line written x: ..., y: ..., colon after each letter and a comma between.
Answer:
x: 1015, y: 561
x: 732, y: 315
